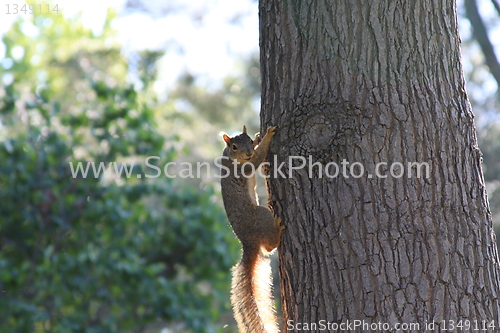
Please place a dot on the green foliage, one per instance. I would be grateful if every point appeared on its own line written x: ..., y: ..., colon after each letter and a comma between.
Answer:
x: 97, y: 254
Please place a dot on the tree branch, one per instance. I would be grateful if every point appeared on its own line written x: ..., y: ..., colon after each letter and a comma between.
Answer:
x: 497, y: 6
x: 481, y: 35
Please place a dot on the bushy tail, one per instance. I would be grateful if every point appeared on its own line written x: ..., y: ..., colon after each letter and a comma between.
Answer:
x: 251, y: 293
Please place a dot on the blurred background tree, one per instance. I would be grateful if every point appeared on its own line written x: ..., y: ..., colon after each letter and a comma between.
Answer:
x: 118, y: 254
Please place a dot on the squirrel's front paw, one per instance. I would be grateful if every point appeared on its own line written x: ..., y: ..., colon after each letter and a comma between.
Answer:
x: 270, y: 130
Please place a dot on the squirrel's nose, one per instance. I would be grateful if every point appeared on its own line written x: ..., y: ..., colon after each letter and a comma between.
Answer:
x: 249, y: 153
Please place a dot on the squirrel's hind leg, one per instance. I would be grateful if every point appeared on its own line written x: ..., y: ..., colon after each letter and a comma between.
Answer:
x: 273, y: 241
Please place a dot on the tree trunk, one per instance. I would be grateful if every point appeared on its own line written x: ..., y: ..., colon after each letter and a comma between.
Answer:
x: 370, y: 82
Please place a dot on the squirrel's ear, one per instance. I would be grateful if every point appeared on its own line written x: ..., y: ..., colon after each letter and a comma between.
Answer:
x: 244, y: 129
x: 226, y: 139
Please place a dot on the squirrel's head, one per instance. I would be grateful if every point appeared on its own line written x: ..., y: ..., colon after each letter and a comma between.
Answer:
x: 239, y: 147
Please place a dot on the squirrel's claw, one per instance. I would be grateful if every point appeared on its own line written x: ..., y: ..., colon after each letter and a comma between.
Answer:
x: 270, y: 130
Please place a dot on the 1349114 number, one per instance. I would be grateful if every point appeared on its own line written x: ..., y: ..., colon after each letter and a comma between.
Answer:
x: 467, y: 325
x: 41, y: 9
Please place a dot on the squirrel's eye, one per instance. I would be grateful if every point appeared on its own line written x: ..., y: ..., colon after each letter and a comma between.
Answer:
x: 234, y: 147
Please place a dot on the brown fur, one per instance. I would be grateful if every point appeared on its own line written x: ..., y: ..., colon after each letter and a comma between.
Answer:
x: 258, y: 231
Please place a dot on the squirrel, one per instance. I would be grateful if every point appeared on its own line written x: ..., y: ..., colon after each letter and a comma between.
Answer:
x: 257, y: 229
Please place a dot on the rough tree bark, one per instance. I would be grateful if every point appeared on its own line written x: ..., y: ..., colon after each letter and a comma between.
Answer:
x: 369, y: 82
